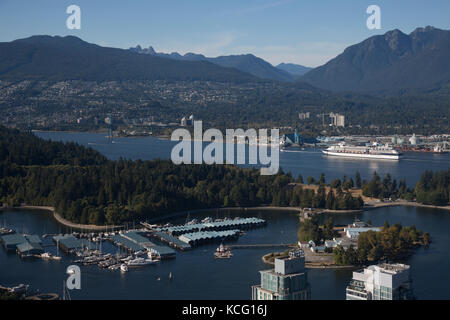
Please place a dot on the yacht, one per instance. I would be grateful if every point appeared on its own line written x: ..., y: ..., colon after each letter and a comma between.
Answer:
x: 138, y: 262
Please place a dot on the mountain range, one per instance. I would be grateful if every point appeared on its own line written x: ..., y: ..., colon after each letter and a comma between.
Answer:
x: 66, y: 58
x: 244, y: 62
x: 384, y: 64
x: 389, y: 63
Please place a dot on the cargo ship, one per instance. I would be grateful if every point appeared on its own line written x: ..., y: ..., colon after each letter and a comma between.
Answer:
x: 374, y: 151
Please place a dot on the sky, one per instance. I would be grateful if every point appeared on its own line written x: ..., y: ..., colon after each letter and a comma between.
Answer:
x: 306, y: 32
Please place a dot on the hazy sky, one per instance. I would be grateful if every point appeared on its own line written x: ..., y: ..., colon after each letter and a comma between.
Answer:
x: 308, y: 32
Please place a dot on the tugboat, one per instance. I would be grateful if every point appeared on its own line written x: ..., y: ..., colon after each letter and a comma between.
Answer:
x: 223, y: 252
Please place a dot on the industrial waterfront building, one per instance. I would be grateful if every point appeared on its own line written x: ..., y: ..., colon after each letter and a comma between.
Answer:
x: 381, y: 282
x: 287, y: 281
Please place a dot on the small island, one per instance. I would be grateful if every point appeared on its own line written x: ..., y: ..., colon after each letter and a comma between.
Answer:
x: 356, y: 245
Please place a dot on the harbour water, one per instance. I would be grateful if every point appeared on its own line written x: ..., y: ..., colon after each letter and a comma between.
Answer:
x: 226, y: 278
x: 232, y: 278
x: 309, y: 162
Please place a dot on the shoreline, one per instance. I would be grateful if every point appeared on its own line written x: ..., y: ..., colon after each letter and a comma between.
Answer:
x: 63, y: 221
x: 367, y: 207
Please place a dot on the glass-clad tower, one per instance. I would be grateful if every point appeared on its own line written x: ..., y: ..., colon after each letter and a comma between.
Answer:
x: 287, y: 281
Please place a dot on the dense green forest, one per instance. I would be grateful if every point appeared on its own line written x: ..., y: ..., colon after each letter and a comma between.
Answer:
x: 392, y: 243
x: 432, y: 188
x: 84, y: 187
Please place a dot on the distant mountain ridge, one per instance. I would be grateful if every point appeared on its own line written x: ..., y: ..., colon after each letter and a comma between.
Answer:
x: 294, y: 69
x: 244, y: 62
x: 68, y: 58
x: 387, y: 63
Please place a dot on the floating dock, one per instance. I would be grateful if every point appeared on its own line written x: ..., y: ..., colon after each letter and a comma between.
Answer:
x: 240, y: 223
x: 198, y: 238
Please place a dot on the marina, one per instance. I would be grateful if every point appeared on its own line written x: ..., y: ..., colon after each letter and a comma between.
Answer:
x: 133, y: 247
x: 234, y: 275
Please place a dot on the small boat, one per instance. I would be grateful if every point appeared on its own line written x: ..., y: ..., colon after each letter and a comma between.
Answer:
x: 193, y: 221
x: 153, y: 256
x: 170, y: 276
x: 139, y: 253
x: 123, y: 267
x: 21, y: 288
x: 6, y: 231
x: 45, y: 255
x: 207, y: 220
x: 48, y: 256
x: 127, y: 259
x: 223, y: 252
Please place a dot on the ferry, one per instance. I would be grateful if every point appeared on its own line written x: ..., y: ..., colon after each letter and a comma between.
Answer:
x: 374, y: 151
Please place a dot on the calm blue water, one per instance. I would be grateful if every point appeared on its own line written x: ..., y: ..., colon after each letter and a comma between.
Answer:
x: 308, y: 163
x: 196, y: 275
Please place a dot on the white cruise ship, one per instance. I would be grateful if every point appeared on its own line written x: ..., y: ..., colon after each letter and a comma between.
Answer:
x: 374, y: 151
